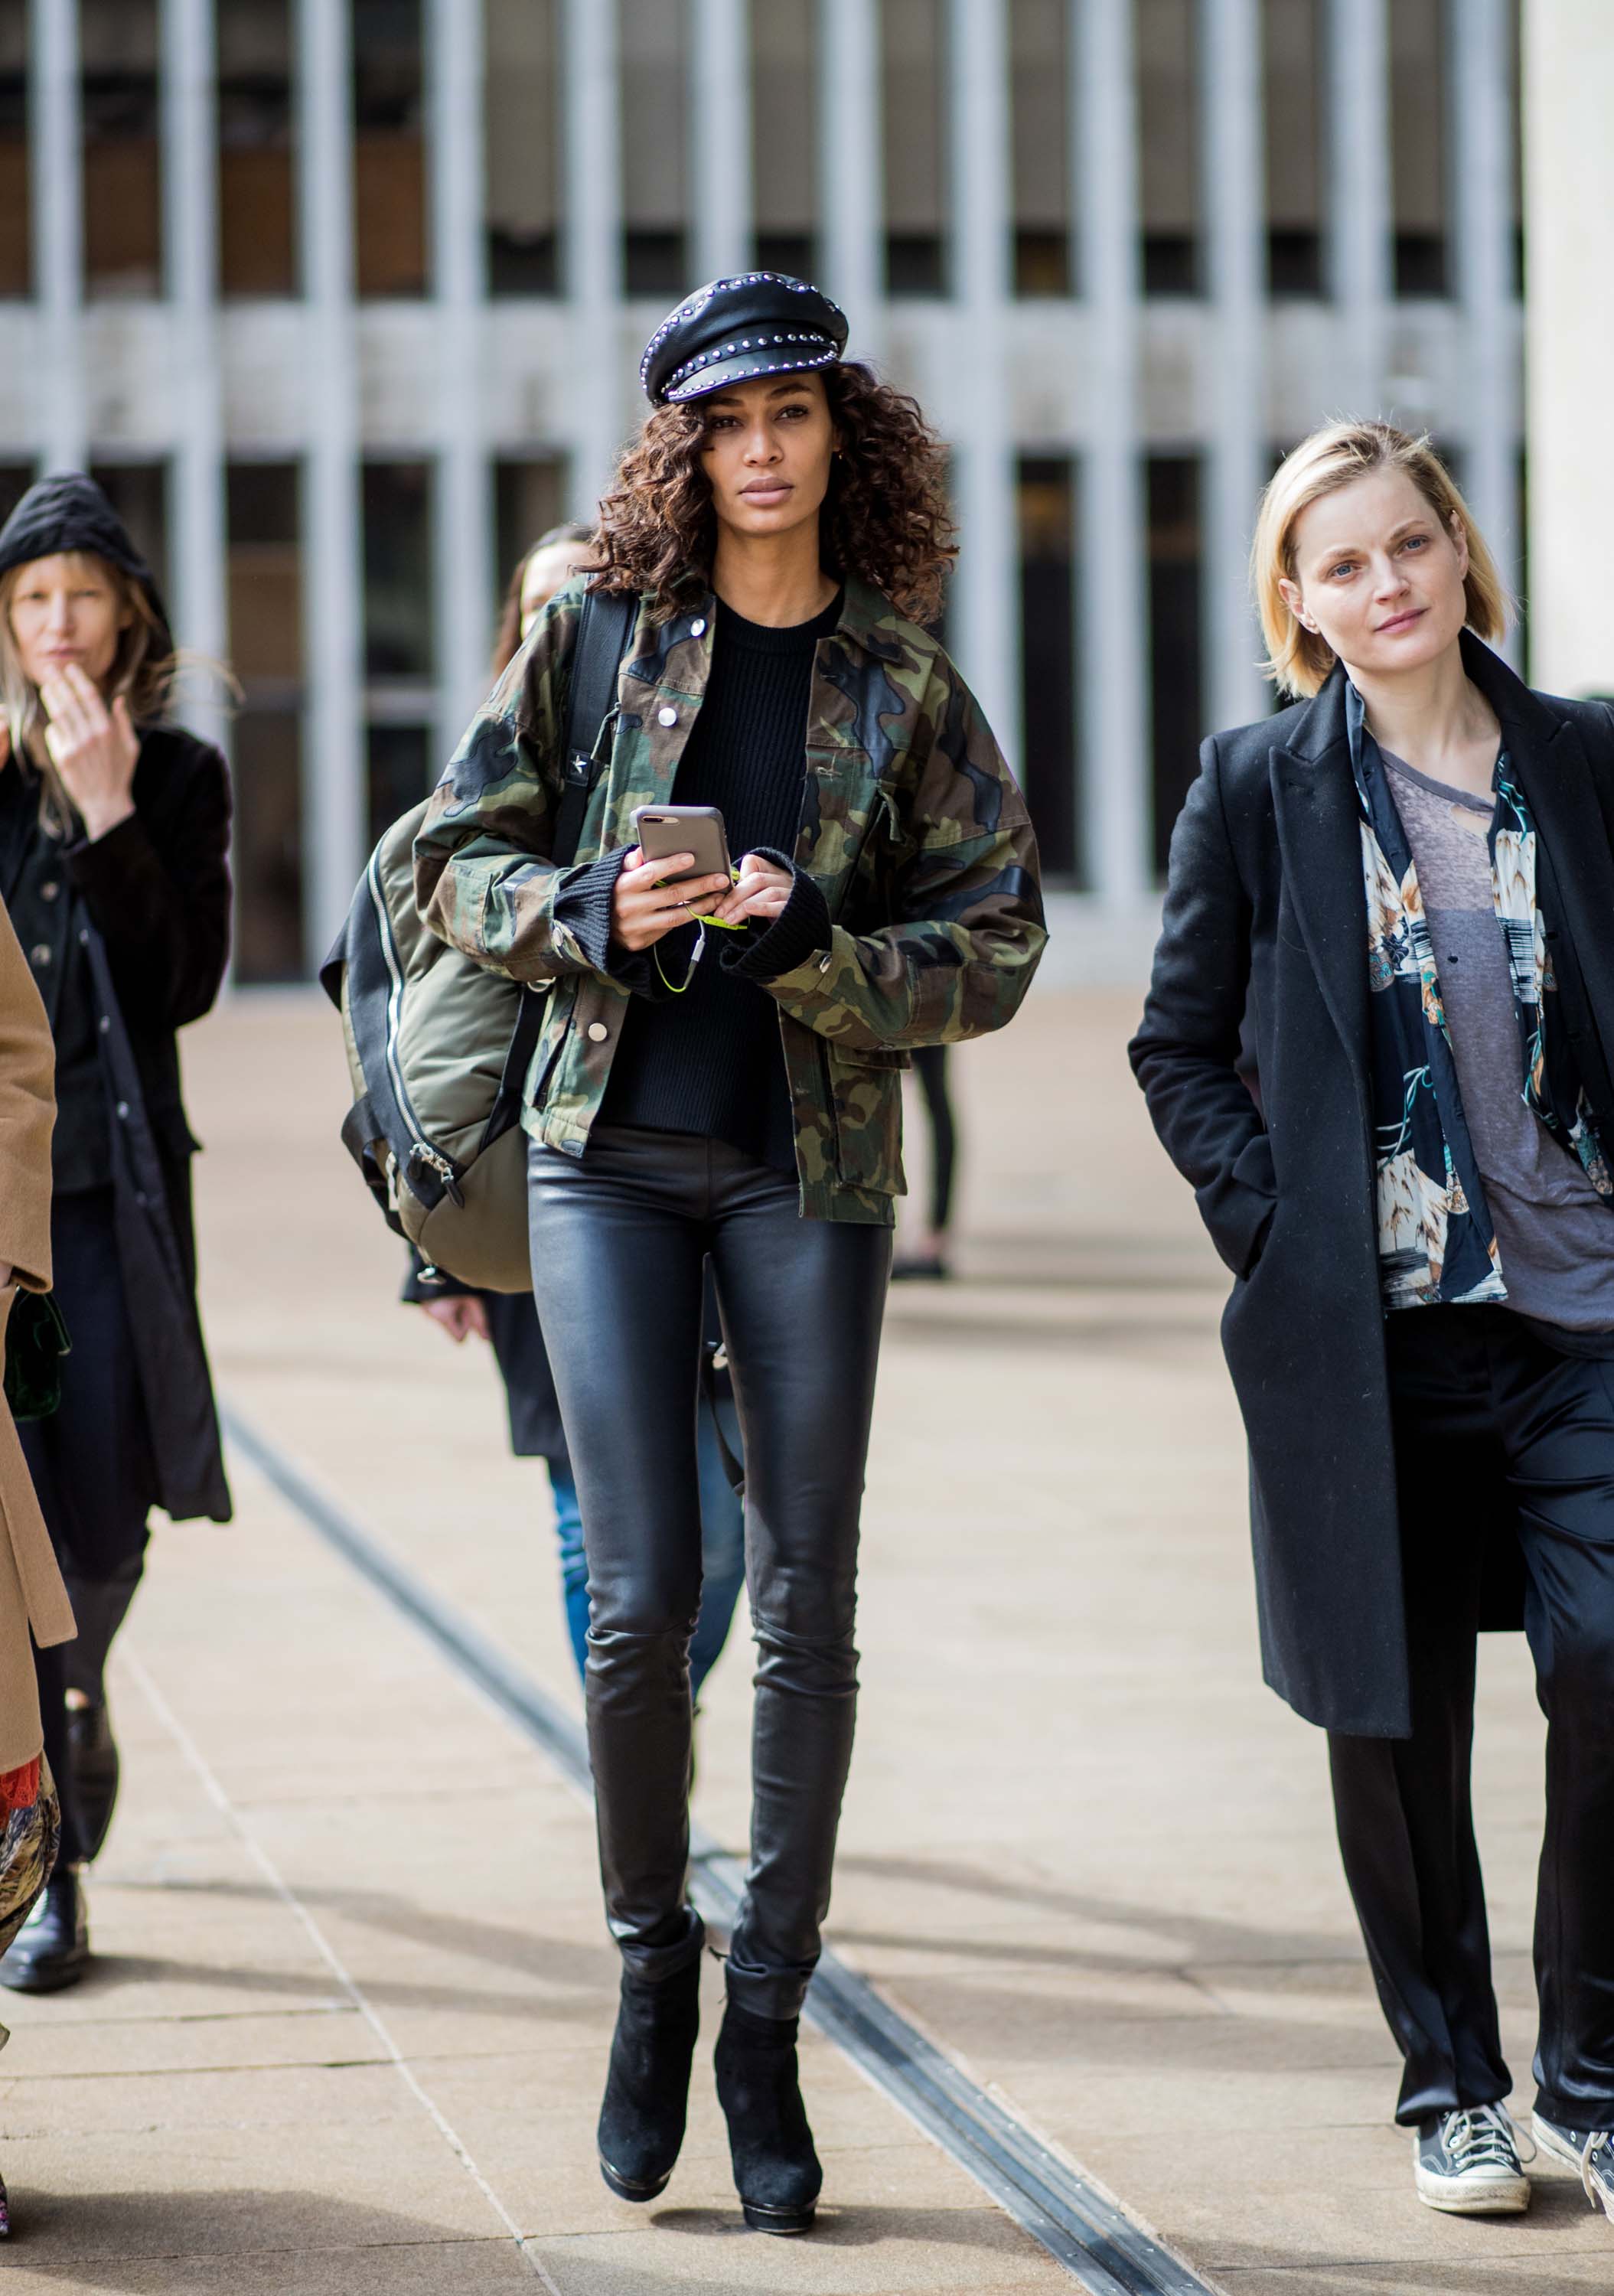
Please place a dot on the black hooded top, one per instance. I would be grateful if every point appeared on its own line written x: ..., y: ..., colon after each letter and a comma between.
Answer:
x: 157, y: 886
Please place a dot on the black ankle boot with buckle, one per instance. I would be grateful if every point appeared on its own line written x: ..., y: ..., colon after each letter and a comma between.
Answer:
x: 776, y: 2170
x: 647, y: 2088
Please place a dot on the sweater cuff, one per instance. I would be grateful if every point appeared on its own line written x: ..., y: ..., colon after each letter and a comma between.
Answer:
x: 801, y: 927
x: 582, y: 905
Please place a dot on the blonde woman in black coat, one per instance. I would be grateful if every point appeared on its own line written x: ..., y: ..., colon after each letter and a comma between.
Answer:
x: 1405, y: 882
x: 114, y: 830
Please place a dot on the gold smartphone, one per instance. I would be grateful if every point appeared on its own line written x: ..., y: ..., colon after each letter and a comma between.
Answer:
x: 697, y: 829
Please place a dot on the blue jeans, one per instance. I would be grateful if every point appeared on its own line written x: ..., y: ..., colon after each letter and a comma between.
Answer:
x: 722, y: 1547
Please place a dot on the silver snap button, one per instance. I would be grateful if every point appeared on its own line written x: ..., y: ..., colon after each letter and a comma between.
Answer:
x: 123, y: 1112
x: 697, y: 629
x: 40, y: 953
x: 49, y: 890
x: 103, y: 1024
x: 667, y: 716
x: 824, y: 961
x: 597, y: 1032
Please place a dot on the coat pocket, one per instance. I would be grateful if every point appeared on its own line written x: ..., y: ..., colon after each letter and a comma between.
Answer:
x: 864, y: 1088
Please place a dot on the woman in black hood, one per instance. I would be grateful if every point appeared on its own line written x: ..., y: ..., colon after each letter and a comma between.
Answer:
x: 114, y: 833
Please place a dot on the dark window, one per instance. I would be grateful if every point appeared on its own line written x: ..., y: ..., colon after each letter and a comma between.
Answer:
x: 1175, y: 643
x: 1293, y: 32
x: 122, y: 165
x: 1418, y: 65
x: 263, y: 525
x: 523, y: 115
x: 912, y: 87
x: 1039, y: 88
x: 400, y: 772
x: 655, y: 212
x: 15, y: 479
x: 15, y: 267
x: 389, y: 148
x: 784, y: 130
x: 1047, y: 539
x: 398, y: 571
x: 1168, y: 69
x: 257, y: 230
x: 139, y: 493
x: 529, y: 497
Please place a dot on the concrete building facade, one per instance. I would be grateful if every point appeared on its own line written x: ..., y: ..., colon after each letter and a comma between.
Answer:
x: 345, y: 298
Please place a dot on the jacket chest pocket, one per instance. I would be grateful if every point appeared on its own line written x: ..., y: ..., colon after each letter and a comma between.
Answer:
x: 846, y: 813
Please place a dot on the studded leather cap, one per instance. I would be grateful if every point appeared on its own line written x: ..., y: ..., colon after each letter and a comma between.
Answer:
x: 760, y: 323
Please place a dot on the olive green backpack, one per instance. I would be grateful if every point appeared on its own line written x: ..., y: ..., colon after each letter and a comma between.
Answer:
x: 439, y: 1046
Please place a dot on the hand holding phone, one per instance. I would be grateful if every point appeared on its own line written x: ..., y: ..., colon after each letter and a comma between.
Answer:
x: 666, y: 880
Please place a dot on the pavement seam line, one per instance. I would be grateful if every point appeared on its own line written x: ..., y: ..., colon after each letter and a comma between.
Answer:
x: 1079, y: 2223
x: 215, y: 1790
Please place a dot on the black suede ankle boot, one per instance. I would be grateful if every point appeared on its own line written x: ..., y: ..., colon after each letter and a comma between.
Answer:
x: 647, y: 2088
x: 776, y: 2171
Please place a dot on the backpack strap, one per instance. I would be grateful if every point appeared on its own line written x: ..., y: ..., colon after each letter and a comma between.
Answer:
x: 604, y: 629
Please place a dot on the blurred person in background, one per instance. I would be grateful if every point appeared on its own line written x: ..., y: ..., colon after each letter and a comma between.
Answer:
x: 719, y: 1074
x: 114, y: 834
x: 931, y: 1257
x: 509, y: 1320
x: 32, y: 1596
x: 1406, y: 879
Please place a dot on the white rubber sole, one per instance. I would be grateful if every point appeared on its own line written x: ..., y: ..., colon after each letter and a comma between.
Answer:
x: 1472, y: 2196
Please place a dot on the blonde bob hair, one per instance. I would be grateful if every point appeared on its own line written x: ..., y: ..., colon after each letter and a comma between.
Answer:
x: 1298, y: 659
x: 143, y: 671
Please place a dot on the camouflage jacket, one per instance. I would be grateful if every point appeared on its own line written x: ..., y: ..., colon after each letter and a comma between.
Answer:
x: 911, y: 826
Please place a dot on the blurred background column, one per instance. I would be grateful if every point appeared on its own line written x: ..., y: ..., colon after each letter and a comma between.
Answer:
x: 983, y: 617
x: 719, y: 124
x: 850, y: 208
x: 1480, y: 36
x: 1568, y: 175
x: 1113, y: 612
x: 335, y: 807
x: 56, y: 206
x: 593, y: 265
x: 462, y: 530
x: 200, y: 602
x: 1360, y: 267
x: 1231, y: 145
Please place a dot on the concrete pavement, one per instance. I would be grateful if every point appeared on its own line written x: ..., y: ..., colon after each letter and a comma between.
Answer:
x: 349, y: 2021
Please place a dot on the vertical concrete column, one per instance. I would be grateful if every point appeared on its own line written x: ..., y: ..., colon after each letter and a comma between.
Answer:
x: 56, y: 206
x: 1360, y: 208
x: 1568, y: 178
x: 851, y: 201
x: 986, y: 620
x: 1231, y: 143
x: 189, y: 202
x: 334, y: 810
x: 1112, y: 600
x: 463, y: 572
x: 1477, y: 32
x: 598, y: 383
x: 718, y: 116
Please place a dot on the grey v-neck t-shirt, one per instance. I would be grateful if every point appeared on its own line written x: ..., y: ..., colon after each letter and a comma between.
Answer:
x: 1554, y: 1232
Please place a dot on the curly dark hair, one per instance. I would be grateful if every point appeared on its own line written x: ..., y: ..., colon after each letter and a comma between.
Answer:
x: 885, y: 517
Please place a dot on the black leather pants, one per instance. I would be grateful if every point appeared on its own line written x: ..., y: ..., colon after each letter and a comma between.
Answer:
x: 1475, y: 1394
x: 617, y: 1244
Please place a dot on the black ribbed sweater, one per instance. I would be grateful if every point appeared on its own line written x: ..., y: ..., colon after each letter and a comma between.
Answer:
x: 710, y: 1061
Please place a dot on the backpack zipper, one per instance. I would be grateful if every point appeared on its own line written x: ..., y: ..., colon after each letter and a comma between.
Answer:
x: 421, y: 1150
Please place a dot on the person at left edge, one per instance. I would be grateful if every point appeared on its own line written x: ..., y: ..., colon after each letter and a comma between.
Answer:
x: 114, y: 831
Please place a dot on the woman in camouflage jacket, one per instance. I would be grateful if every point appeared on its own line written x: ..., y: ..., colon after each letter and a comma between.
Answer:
x: 782, y: 520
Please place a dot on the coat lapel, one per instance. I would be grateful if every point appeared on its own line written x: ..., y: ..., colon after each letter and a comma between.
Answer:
x: 1320, y: 840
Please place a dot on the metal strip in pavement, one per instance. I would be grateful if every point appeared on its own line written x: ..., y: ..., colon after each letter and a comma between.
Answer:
x: 1051, y: 2198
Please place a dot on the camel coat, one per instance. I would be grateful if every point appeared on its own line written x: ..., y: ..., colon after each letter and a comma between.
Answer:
x: 32, y: 1592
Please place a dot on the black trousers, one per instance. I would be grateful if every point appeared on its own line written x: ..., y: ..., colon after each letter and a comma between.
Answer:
x: 1473, y: 1388
x: 618, y: 1240
x: 930, y: 1067
x: 93, y: 1471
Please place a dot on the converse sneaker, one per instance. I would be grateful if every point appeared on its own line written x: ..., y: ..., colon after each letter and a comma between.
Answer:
x: 1467, y: 2163
x: 1589, y: 2152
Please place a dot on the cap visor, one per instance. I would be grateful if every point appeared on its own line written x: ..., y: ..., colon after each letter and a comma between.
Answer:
x: 745, y: 366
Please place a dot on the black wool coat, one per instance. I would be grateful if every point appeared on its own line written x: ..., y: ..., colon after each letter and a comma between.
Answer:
x: 1265, y: 917
x: 153, y: 897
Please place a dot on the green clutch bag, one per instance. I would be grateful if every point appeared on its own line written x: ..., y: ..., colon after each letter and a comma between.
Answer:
x: 35, y: 1340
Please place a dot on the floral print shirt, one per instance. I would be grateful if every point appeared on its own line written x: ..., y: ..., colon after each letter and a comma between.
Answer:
x: 1436, y: 1239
